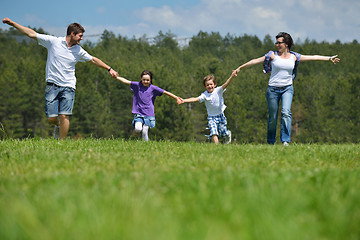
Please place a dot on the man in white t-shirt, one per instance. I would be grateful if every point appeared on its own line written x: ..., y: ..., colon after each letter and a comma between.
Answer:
x: 214, y: 102
x: 63, y: 54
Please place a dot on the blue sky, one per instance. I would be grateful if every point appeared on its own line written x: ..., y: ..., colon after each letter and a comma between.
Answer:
x: 320, y: 20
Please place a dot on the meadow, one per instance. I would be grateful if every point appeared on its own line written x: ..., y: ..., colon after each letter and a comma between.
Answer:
x: 128, y: 189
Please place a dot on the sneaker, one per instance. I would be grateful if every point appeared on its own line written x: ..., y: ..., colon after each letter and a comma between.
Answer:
x: 56, y: 132
x: 285, y: 144
x: 228, y: 138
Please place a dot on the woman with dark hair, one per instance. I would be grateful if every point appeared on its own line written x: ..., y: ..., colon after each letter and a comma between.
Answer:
x: 283, y: 65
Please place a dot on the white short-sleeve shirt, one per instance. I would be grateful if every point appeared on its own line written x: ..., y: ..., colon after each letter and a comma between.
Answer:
x: 214, y: 101
x: 61, y: 60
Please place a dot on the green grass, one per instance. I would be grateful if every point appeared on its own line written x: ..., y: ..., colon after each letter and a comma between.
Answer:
x: 117, y: 189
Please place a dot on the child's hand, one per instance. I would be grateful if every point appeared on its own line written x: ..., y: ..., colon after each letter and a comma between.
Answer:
x: 179, y: 100
x: 235, y: 72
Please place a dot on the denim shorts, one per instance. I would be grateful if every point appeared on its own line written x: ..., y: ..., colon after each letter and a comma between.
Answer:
x: 149, y: 121
x: 217, y: 125
x: 58, y: 100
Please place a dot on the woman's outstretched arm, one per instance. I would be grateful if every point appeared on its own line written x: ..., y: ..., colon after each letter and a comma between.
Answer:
x: 249, y: 64
x: 334, y: 59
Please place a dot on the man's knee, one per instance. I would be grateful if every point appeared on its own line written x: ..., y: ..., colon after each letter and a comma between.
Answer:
x: 63, y: 117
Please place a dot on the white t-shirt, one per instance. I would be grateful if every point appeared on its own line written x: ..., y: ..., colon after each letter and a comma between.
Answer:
x: 214, y: 101
x: 282, y: 70
x: 61, y: 60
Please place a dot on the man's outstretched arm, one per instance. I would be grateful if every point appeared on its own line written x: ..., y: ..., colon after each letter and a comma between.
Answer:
x: 24, y: 30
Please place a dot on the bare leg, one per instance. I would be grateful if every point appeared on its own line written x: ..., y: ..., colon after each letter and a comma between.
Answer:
x: 64, y: 126
x: 54, y: 120
x: 215, y: 139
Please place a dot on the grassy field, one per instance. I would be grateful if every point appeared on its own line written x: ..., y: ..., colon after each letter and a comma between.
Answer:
x: 122, y: 189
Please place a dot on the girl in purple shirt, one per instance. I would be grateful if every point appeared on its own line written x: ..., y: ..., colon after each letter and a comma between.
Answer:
x: 144, y: 94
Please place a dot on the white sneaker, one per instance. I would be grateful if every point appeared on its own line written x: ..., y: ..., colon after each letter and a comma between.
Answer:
x: 285, y: 144
x: 56, y: 132
x: 228, y: 138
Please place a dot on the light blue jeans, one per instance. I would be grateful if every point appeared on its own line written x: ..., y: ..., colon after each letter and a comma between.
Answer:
x: 58, y: 100
x: 273, y: 97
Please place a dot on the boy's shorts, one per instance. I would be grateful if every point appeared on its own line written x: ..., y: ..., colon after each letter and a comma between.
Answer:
x: 58, y: 100
x: 149, y: 121
x: 217, y: 125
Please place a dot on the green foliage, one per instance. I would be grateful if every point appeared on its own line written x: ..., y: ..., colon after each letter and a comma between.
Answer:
x: 325, y: 105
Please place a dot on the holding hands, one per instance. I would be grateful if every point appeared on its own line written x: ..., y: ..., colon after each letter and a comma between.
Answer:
x: 235, y: 72
x: 113, y: 73
x: 179, y: 100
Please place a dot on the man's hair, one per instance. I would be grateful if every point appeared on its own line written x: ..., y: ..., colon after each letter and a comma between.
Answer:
x: 147, y: 72
x: 75, y: 28
x: 287, y: 39
x: 209, y: 78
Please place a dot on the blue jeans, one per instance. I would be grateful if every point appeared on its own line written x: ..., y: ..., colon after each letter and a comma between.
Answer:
x: 145, y: 120
x: 273, y: 97
x: 58, y: 100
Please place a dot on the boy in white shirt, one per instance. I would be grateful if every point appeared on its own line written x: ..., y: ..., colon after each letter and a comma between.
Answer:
x: 214, y: 102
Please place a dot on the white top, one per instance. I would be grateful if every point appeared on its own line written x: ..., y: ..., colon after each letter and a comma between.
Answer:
x: 281, y: 73
x: 214, y: 101
x: 61, y: 60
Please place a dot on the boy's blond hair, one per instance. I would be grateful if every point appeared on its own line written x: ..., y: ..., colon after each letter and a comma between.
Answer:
x: 209, y: 78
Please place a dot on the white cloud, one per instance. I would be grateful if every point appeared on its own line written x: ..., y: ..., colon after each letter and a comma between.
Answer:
x: 164, y: 15
x: 224, y: 16
x: 266, y: 20
x: 313, y: 19
x: 312, y: 5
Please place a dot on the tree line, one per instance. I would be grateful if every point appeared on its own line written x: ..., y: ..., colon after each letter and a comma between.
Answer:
x: 325, y: 107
